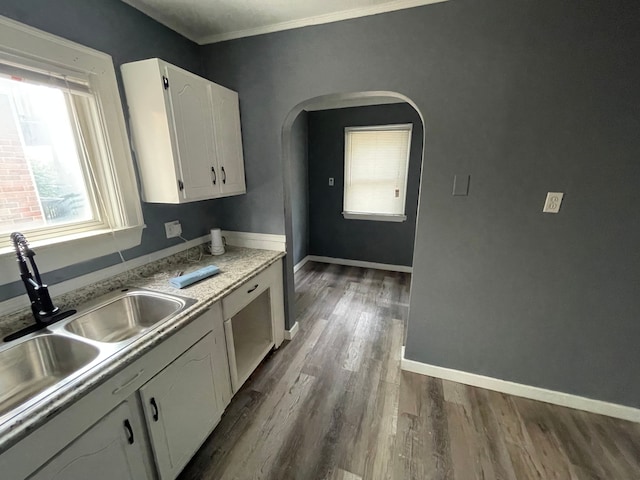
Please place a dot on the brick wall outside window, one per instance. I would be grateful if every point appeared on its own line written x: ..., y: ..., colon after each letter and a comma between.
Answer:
x: 18, y: 197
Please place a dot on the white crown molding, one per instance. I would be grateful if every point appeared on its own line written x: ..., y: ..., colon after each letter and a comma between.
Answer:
x: 359, y: 263
x: 520, y: 390
x: 316, y: 20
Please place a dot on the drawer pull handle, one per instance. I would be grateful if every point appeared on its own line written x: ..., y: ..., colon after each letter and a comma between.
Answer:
x: 154, y: 405
x: 127, y: 383
x: 127, y: 427
x: 254, y: 287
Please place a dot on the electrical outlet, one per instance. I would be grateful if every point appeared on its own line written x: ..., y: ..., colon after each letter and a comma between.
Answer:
x: 173, y: 229
x: 331, y: 182
x: 553, y: 202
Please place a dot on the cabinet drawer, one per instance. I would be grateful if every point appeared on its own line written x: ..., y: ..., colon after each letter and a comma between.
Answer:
x: 248, y: 291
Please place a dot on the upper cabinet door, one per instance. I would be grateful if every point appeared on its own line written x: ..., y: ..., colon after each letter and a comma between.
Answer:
x: 189, y: 99
x: 228, y: 139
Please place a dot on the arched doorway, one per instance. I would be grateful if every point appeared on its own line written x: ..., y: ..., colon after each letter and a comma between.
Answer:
x: 289, y: 144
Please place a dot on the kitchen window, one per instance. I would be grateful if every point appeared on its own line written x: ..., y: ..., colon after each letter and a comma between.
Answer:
x: 66, y: 174
x: 45, y: 176
x: 376, y: 168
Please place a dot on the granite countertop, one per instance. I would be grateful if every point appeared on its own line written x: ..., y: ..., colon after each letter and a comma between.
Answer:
x: 237, y: 266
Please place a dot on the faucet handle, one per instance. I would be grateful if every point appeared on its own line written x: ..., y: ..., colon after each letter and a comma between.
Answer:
x: 44, y: 305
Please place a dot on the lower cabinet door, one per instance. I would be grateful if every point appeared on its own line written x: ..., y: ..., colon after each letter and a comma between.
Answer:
x: 111, y: 449
x: 180, y: 407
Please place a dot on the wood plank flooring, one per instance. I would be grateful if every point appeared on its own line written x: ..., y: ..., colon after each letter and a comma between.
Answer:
x: 333, y: 404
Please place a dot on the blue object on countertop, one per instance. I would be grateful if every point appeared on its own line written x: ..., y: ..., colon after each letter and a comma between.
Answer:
x: 193, y: 277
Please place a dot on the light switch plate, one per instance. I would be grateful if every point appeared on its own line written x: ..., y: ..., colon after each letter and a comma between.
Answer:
x: 461, y: 185
x: 331, y: 181
x: 553, y: 202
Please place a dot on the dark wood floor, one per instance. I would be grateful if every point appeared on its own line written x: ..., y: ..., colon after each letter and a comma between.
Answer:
x: 333, y: 404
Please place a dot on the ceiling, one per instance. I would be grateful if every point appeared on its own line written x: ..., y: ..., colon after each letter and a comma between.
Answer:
x: 209, y: 21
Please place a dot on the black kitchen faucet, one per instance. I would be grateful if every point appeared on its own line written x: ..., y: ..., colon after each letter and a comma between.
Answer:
x: 44, y: 311
x: 41, y: 303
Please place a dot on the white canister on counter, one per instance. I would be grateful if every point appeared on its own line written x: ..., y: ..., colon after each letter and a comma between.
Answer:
x: 217, y: 242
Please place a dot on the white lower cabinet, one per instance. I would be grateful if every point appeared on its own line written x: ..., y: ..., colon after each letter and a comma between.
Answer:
x: 113, y: 448
x: 166, y: 417
x: 180, y: 407
x: 149, y: 419
x: 254, y: 322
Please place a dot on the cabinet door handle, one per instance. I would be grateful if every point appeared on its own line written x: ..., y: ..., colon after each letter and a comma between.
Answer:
x: 224, y: 175
x: 254, y: 287
x: 215, y: 177
x: 127, y: 427
x: 154, y: 405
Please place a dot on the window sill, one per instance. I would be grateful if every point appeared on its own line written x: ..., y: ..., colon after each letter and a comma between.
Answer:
x: 374, y: 217
x: 60, y: 252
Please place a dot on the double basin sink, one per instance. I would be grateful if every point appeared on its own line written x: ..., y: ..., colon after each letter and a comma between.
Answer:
x: 34, y: 367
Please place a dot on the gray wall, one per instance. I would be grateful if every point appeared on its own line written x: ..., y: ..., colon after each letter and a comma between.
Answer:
x: 300, y: 187
x: 127, y: 35
x: 526, y: 97
x: 330, y: 234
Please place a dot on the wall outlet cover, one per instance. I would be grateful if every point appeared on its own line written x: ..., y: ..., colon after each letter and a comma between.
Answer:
x: 553, y: 202
x: 173, y: 229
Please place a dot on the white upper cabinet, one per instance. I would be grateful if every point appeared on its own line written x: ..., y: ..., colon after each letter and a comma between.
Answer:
x: 228, y: 141
x: 186, y: 133
x: 189, y: 100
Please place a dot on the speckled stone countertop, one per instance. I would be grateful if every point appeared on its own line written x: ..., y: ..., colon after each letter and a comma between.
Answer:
x: 237, y: 266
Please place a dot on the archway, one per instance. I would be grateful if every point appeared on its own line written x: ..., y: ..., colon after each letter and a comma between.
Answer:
x: 324, y: 102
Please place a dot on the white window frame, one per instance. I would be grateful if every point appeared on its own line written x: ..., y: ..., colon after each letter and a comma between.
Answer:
x: 376, y: 216
x: 29, y: 47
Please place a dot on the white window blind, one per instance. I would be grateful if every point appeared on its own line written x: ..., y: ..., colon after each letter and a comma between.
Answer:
x: 376, y: 166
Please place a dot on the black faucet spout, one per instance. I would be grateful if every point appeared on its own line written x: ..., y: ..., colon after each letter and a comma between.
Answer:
x: 41, y: 304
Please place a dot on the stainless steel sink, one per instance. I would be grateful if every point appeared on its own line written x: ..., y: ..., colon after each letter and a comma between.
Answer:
x: 32, y: 366
x: 125, y: 315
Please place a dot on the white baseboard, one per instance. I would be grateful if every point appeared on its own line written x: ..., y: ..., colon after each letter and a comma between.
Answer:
x: 292, y: 332
x: 359, y: 263
x: 264, y: 241
x: 22, y: 301
x: 301, y: 264
x: 520, y: 390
